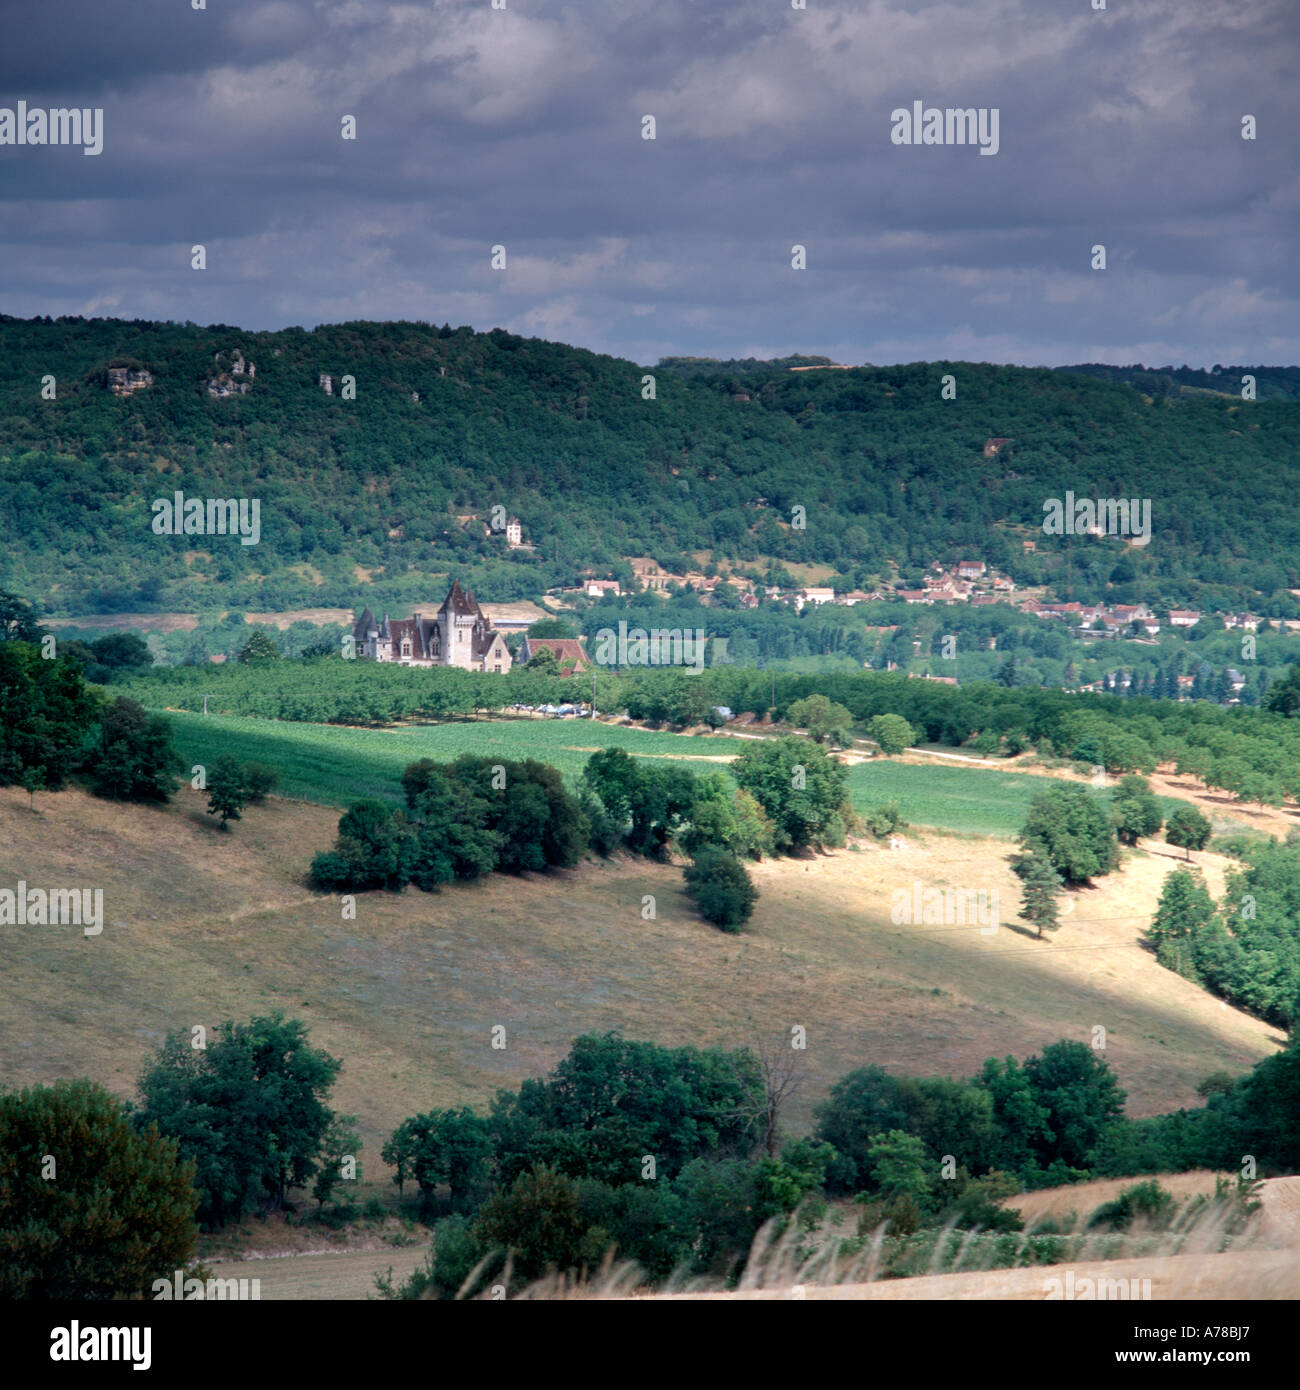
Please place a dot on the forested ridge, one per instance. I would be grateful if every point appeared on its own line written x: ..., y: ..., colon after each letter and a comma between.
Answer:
x: 889, y: 474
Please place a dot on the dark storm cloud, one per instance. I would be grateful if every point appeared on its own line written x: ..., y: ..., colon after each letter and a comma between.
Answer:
x: 523, y: 127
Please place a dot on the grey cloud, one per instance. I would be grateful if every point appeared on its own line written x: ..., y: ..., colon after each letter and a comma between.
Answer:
x: 523, y: 127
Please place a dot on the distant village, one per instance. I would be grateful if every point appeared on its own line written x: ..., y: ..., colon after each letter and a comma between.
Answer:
x: 460, y: 632
x: 968, y: 581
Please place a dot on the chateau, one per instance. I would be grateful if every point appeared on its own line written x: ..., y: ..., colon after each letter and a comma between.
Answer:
x: 459, y: 634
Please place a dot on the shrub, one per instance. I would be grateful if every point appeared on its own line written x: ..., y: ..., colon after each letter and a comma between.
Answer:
x: 883, y: 821
x: 722, y: 889
x: 1146, y: 1203
x: 259, y: 780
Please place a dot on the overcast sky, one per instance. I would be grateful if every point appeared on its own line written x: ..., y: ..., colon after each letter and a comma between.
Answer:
x: 523, y: 127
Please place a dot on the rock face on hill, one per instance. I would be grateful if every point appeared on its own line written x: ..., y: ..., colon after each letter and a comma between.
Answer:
x: 122, y: 381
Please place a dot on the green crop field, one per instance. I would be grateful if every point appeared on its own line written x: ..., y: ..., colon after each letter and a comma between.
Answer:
x: 974, y: 800
x: 969, y: 800
x: 333, y: 765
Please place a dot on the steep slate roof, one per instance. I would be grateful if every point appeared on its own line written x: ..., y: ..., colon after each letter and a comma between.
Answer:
x: 461, y: 602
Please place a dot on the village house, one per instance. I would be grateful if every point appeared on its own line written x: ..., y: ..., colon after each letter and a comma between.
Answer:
x: 567, y: 651
x: 970, y: 569
x: 1183, y: 617
x: 598, y: 588
x: 814, y: 596
x: 459, y: 635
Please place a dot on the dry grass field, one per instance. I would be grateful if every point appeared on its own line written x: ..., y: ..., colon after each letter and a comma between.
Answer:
x: 1235, y: 1274
x: 1263, y: 1261
x: 204, y: 925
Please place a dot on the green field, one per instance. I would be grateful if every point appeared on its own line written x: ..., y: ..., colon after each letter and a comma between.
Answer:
x: 334, y: 765
x: 968, y: 800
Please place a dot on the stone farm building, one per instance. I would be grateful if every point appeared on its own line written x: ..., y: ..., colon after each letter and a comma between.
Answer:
x: 458, y: 634
x: 569, y: 656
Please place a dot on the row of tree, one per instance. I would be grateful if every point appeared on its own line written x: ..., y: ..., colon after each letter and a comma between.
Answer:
x: 672, y: 1156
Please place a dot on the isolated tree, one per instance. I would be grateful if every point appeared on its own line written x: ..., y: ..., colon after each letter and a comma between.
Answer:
x: 723, y: 891
x: 1135, y: 810
x: 823, y: 718
x: 1188, y: 829
x: 259, y: 647
x: 892, y: 732
x: 89, y: 1207
x: 260, y: 780
x: 33, y: 780
x: 228, y: 792
x: 1073, y: 829
x: 1040, y: 886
